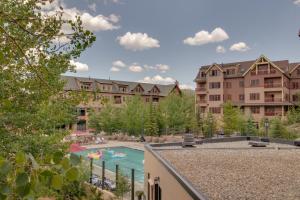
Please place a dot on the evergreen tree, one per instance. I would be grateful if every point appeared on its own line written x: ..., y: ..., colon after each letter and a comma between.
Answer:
x: 151, y: 125
x: 209, y: 125
x: 278, y: 130
x: 250, y: 127
x: 233, y: 120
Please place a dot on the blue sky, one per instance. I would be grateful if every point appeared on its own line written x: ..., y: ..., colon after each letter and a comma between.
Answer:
x: 150, y: 37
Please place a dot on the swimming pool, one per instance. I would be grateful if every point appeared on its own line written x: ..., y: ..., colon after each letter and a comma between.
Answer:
x: 133, y: 159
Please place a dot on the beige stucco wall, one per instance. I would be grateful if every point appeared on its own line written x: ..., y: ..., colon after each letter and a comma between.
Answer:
x: 170, y: 187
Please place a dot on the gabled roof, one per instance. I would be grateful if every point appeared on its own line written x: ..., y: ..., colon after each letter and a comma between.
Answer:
x: 213, y: 65
x: 258, y: 61
x: 244, y: 66
x: 293, y: 67
x: 73, y: 83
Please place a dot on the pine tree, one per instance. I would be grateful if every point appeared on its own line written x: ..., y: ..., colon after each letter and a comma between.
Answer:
x: 278, y: 130
x: 151, y: 125
x: 250, y: 127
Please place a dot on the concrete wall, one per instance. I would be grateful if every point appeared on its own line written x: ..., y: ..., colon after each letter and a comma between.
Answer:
x: 170, y: 187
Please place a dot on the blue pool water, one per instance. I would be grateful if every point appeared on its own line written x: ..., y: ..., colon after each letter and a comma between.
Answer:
x: 133, y: 159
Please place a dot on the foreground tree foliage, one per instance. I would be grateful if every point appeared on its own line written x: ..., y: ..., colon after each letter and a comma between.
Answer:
x: 233, y: 120
x: 34, y: 52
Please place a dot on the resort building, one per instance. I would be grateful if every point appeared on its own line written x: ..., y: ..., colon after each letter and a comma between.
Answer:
x: 222, y: 168
x: 261, y: 88
x: 101, y: 91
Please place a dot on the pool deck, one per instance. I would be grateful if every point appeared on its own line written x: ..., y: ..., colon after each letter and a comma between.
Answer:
x: 111, y: 143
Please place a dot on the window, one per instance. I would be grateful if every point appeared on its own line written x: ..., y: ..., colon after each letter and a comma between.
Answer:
x: 255, y: 110
x: 254, y: 83
x: 227, y: 84
x: 214, y: 72
x: 122, y: 89
x: 117, y: 99
x: 203, y: 74
x: 147, y: 99
x: 228, y: 97
x: 298, y: 71
x: 230, y: 71
x: 214, y: 85
x: 295, y: 97
x: 139, y: 89
x: 155, y: 99
x: 241, y: 83
x: 295, y: 85
x: 86, y: 85
x: 215, y: 110
x: 254, y: 96
x: 215, y: 97
x: 81, y: 112
x: 241, y: 97
x: 81, y: 125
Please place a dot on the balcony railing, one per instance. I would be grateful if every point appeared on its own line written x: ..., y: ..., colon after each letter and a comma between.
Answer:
x: 200, y: 89
x: 273, y: 113
x: 263, y: 72
x: 201, y: 101
x: 273, y: 99
x: 273, y: 85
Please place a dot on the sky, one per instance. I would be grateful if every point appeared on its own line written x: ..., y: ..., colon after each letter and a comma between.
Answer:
x: 160, y: 41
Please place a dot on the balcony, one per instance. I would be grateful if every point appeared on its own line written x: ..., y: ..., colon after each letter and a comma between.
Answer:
x: 201, y: 90
x: 269, y: 99
x: 272, y: 85
x: 263, y: 72
x: 201, y: 101
x: 273, y: 113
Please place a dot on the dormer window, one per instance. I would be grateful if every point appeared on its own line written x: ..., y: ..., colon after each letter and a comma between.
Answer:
x: 230, y: 71
x: 203, y: 74
x: 138, y: 89
x: 214, y: 72
x: 122, y: 89
x: 154, y: 90
x: 86, y: 85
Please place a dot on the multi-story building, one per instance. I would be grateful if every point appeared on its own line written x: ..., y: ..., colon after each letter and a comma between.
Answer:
x: 115, y: 92
x: 261, y: 88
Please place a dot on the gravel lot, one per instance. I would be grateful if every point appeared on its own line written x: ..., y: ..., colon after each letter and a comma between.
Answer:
x: 239, y: 173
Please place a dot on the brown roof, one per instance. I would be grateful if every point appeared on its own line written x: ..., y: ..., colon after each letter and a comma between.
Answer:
x: 243, y: 66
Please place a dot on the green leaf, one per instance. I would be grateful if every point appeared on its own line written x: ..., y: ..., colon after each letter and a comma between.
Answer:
x: 4, y: 189
x: 57, y: 182
x: 57, y: 157
x: 5, y: 168
x: 20, y: 158
x: 23, y: 190
x: 22, y: 179
x: 65, y: 163
x: 75, y: 160
x: 2, y: 197
x: 72, y: 174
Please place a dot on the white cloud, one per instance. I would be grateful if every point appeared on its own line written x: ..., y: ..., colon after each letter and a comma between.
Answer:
x: 220, y: 49
x: 137, y: 41
x: 114, y: 69
x: 92, y: 7
x: 135, y: 68
x: 204, y: 37
x: 297, y: 2
x: 158, y: 80
x: 186, y: 87
x: 90, y: 22
x: 119, y: 63
x: 79, y: 66
x: 158, y: 67
x: 240, y: 46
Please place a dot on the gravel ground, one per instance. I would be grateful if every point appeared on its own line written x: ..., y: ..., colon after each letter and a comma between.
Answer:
x: 232, y: 174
